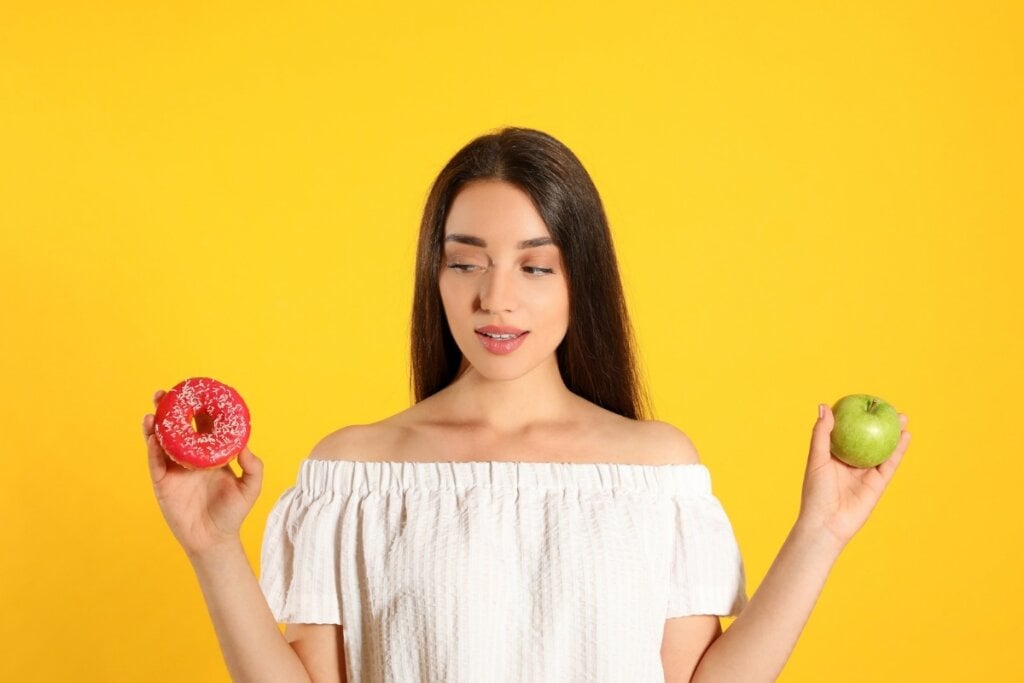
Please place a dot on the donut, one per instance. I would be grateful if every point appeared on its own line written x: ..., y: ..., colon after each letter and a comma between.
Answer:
x: 221, y: 423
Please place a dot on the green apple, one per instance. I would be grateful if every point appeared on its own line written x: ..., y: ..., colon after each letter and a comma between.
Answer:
x: 866, y: 430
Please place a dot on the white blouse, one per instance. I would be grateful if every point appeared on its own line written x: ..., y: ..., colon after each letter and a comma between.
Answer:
x: 500, y: 571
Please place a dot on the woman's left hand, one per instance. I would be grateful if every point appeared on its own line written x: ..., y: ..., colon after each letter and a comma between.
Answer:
x: 837, y: 497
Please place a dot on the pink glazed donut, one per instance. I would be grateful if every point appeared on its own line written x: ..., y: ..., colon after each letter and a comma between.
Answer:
x: 221, y: 423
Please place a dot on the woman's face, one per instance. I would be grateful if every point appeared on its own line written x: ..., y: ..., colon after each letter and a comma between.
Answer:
x: 499, y: 268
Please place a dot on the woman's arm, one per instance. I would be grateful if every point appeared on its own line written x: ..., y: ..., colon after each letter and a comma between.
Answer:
x: 254, y: 648
x: 321, y: 647
x: 835, y: 503
x: 759, y: 642
x: 204, y: 510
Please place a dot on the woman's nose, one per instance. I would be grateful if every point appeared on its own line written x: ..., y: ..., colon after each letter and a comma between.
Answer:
x: 497, y: 292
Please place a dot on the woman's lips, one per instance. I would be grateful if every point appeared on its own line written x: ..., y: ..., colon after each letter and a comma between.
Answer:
x: 501, y: 329
x: 501, y: 347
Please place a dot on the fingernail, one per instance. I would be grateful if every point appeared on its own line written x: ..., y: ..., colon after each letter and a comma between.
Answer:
x: 821, y: 410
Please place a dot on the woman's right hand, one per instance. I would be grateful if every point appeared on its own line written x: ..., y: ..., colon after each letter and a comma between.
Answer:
x: 203, y: 508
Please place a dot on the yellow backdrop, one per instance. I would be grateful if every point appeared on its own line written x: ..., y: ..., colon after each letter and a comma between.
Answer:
x: 808, y: 200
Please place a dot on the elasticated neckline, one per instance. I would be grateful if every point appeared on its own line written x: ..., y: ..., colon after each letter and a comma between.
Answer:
x: 344, y: 476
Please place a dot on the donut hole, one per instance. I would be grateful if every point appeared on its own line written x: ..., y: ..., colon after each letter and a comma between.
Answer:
x: 202, y: 423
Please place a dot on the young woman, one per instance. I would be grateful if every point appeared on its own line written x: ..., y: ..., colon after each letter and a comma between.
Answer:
x: 523, y: 520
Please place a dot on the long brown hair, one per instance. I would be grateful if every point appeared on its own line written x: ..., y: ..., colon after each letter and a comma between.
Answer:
x: 597, y: 357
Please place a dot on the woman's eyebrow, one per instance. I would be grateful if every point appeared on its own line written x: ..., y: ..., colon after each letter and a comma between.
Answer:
x: 477, y: 242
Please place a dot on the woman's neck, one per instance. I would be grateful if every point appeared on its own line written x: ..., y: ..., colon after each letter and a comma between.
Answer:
x: 509, y: 406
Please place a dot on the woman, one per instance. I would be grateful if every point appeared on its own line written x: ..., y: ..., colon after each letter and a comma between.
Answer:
x: 522, y: 520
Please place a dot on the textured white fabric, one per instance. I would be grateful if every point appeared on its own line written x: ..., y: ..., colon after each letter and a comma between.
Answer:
x: 500, y: 571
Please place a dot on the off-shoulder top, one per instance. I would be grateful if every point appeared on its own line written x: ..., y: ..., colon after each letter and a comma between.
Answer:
x: 500, y: 571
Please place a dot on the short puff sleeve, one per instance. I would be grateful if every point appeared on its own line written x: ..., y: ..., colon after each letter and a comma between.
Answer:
x: 706, y: 574
x: 300, y: 572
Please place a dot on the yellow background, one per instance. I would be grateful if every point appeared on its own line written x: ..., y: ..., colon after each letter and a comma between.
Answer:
x: 808, y: 199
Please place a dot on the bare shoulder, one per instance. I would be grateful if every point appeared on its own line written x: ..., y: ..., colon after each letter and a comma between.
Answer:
x: 356, y: 442
x: 651, y: 442
x: 666, y: 444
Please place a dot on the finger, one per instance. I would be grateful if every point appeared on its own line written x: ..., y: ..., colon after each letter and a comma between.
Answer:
x: 252, y: 474
x: 147, y: 425
x: 820, y: 451
x: 156, y: 457
x: 903, y: 421
x: 159, y: 394
x: 888, y: 468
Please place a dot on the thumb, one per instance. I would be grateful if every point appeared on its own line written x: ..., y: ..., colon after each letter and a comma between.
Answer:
x: 821, y: 436
x: 252, y: 474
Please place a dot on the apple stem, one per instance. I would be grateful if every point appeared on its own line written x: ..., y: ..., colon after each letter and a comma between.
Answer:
x: 871, y: 405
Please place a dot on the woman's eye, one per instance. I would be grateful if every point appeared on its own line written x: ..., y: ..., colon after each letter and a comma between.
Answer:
x: 532, y: 270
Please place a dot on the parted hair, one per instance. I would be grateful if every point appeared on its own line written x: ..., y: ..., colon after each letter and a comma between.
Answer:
x: 597, y: 358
